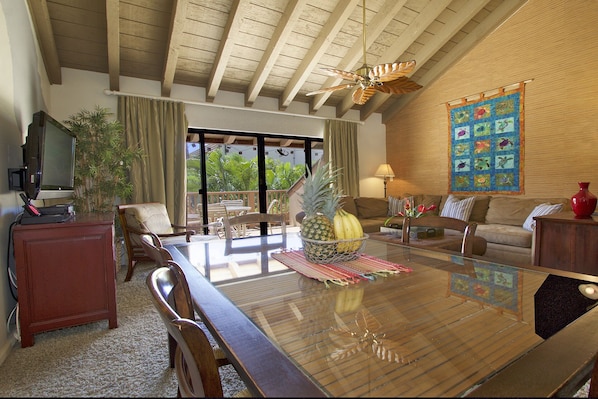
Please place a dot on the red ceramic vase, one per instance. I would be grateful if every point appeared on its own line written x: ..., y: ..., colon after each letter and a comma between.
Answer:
x: 583, y: 202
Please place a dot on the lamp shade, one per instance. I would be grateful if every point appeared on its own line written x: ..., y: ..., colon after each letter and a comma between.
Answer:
x: 384, y: 170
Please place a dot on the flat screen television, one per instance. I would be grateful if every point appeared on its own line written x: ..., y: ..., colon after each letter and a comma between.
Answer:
x: 49, y: 159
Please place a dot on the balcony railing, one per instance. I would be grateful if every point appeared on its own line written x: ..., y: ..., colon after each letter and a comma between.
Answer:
x: 250, y: 198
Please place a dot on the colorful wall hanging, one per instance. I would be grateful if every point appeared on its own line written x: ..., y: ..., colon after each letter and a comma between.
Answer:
x: 486, y: 144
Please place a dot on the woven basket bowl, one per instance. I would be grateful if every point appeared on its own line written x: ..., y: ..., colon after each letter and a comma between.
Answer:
x: 317, y: 251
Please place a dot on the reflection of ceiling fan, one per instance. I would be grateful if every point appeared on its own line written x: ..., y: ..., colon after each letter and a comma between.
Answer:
x: 386, y: 78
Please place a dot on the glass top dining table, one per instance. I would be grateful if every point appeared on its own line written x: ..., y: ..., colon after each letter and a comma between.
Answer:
x: 441, y: 326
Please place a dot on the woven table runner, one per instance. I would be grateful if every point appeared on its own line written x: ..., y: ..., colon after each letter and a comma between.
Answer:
x: 365, y: 267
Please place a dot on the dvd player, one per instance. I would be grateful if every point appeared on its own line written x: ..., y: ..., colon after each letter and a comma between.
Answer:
x: 43, y: 219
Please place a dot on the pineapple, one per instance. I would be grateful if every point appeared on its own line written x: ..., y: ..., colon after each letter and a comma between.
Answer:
x: 320, y: 200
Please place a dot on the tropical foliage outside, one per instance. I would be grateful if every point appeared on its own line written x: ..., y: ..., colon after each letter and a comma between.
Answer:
x: 233, y: 172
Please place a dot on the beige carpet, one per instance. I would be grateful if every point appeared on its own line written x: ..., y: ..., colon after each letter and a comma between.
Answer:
x: 94, y: 361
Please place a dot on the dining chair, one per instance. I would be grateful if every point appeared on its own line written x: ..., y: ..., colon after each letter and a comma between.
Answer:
x: 195, y: 365
x: 235, y: 226
x: 170, y: 294
x: 144, y: 218
x: 466, y: 228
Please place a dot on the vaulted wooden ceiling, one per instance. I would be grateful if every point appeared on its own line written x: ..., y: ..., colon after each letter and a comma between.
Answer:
x: 271, y: 48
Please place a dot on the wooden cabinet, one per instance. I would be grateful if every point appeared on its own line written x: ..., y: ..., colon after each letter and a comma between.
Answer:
x: 565, y: 242
x: 65, y: 274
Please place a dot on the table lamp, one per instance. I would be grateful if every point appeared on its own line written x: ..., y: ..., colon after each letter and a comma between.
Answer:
x: 385, y: 171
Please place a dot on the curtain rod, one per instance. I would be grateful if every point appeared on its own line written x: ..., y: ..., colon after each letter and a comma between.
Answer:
x: 504, y: 87
x: 203, y: 104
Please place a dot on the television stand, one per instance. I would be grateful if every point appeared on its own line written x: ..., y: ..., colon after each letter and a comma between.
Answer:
x: 66, y: 273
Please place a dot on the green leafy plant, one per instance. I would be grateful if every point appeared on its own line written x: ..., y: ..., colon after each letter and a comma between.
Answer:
x: 102, y: 161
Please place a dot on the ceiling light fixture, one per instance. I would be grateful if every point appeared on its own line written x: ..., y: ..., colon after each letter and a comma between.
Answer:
x: 385, y: 78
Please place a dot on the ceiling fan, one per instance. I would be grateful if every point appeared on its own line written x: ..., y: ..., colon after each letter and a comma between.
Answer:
x: 386, y: 78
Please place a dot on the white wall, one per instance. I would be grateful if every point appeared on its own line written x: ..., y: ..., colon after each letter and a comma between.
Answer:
x: 23, y: 91
x: 82, y: 89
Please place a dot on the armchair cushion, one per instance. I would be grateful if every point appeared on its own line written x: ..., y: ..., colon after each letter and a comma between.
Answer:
x: 149, y: 217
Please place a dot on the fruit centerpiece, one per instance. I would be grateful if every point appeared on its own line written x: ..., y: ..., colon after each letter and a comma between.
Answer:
x: 328, y: 232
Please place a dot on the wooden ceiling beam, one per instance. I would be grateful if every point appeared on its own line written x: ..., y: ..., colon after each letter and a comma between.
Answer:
x: 227, y: 42
x: 175, y: 37
x: 113, y: 42
x: 279, y: 40
x: 337, y: 19
x: 45, y: 38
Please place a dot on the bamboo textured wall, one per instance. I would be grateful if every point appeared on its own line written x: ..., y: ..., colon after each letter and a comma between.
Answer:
x: 554, y: 43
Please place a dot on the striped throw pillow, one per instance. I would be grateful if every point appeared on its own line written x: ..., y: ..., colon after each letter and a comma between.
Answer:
x: 458, y: 209
x: 540, y: 210
x: 396, y: 205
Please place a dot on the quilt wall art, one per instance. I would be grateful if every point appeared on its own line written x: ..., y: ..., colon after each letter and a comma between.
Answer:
x: 486, y: 142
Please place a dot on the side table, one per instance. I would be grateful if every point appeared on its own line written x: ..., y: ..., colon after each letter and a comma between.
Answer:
x: 565, y: 242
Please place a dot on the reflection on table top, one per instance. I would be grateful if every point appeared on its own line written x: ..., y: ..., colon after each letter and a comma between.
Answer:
x: 441, y: 330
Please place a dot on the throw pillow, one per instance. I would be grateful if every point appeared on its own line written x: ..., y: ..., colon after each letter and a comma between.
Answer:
x: 396, y: 205
x: 458, y: 209
x: 393, y: 205
x: 540, y: 210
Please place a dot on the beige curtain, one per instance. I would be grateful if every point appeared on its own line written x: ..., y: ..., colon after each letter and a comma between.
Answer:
x: 340, y: 150
x: 160, y: 129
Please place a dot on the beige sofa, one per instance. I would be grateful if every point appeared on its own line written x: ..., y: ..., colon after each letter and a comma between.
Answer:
x: 500, y: 220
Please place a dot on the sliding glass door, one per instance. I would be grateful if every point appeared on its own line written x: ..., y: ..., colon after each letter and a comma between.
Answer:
x: 259, y: 173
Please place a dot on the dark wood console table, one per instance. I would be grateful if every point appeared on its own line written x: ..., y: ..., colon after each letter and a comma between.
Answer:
x: 567, y: 243
x: 65, y: 273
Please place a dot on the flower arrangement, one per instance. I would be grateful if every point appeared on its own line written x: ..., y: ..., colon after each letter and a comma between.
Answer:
x: 415, y: 212
x: 412, y: 212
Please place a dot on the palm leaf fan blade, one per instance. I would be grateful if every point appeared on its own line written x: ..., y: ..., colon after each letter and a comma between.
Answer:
x: 339, y: 73
x: 361, y: 96
x: 400, y: 85
x: 388, y: 72
x: 333, y: 88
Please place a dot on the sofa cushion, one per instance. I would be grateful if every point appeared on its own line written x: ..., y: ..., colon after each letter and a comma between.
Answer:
x: 348, y: 204
x: 456, y: 208
x: 370, y: 207
x: 515, y: 236
x: 540, y: 210
x: 479, y: 210
x: 371, y: 225
x: 514, y: 211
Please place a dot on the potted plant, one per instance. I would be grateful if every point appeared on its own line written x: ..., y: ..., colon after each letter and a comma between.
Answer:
x: 102, y: 162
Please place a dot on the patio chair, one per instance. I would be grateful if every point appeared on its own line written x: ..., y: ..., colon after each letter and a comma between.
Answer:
x: 234, y: 227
